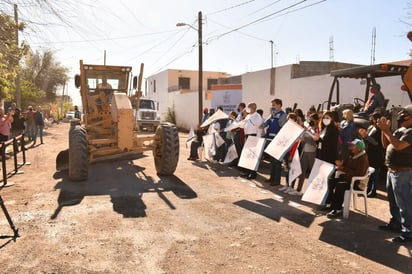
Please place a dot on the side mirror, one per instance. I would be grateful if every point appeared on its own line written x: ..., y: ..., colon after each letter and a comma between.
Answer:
x: 77, y: 80
x: 135, y: 82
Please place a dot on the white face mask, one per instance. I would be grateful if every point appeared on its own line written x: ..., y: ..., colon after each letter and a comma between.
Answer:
x: 326, y: 121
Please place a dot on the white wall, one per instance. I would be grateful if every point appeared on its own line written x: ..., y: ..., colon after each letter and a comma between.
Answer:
x: 312, y: 90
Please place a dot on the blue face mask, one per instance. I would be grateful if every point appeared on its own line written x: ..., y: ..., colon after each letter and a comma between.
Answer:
x: 273, y: 110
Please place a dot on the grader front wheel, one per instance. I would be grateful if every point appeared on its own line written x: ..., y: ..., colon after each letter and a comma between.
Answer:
x: 166, y: 151
x: 78, y: 154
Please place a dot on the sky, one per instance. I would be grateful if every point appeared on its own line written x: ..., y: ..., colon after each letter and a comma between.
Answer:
x: 236, y: 33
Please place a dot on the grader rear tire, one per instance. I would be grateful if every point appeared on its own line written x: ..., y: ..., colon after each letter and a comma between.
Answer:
x: 78, y: 154
x: 166, y: 151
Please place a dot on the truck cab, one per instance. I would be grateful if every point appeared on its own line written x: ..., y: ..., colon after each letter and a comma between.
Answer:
x: 146, y: 114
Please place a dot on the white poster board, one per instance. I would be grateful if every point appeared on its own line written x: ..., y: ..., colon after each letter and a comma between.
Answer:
x: 252, y: 153
x: 227, y: 99
x: 219, y: 141
x: 218, y: 115
x: 316, y: 189
x: 284, y: 140
x: 209, y: 144
x: 295, y: 169
x: 231, y: 154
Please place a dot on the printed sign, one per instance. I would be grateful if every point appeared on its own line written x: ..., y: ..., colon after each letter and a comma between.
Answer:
x: 284, y: 140
x: 252, y: 153
x: 316, y: 189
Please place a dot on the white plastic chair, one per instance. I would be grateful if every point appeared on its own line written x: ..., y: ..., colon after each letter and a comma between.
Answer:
x: 363, y: 180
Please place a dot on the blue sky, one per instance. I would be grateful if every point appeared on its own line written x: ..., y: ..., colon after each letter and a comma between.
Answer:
x: 134, y: 32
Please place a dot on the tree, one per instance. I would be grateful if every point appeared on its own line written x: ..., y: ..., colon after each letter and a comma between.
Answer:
x: 45, y: 75
x: 10, y: 54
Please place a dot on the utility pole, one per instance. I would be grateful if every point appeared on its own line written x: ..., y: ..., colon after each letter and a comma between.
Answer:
x: 18, y: 92
x: 373, y: 45
x: 199, y: 30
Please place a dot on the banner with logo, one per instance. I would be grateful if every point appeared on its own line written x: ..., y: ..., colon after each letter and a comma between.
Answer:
x: 252, y: 153
x: 316, y: 190
x: 284, y: 140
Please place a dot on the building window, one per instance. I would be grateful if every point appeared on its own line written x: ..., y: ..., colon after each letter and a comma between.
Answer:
x: 184, y: 83
x: 211, y: 82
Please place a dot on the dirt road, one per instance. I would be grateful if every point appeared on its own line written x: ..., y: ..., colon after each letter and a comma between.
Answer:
x: 205, y: 219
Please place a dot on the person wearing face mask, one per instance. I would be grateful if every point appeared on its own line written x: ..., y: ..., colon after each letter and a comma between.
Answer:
x: 252, y: 128
x: 327, y: 139
x: 398, y: 159
x: 274, y: 123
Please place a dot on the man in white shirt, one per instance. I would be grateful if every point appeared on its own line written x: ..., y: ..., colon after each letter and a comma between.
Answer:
x: 251, y: 127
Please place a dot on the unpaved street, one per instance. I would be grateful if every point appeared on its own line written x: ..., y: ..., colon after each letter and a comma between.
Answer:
x: 205, y: 219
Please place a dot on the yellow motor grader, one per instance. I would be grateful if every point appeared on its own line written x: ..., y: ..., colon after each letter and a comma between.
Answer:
x: 108, y: 127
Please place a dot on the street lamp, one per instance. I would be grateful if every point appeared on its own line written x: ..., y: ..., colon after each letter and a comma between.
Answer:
x: 199, y: 31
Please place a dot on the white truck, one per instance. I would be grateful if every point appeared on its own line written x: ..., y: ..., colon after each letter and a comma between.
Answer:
x: 146, y: 114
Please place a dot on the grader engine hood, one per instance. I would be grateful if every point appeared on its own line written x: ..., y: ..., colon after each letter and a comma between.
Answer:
x: 122, y: 115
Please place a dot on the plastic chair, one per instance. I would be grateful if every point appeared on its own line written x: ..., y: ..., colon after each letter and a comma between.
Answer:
x: 363, y: 180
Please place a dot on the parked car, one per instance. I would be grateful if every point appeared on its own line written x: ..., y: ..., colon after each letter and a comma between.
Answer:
x: 70, y: 114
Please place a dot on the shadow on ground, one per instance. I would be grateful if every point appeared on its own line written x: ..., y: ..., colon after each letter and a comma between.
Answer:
x: 358, y: 234
x: 125, y: 182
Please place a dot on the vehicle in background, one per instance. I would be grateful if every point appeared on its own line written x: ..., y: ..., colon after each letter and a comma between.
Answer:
x: 69, y: 115
x: 146, y: 114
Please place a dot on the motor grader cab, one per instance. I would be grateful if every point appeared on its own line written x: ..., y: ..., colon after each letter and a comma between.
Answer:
x: 108, y: 129
x: 370, y: 74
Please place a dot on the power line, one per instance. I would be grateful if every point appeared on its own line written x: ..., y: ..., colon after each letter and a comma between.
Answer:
x: 267, y: 17
x: 232, y: 7
x: 255, y: 21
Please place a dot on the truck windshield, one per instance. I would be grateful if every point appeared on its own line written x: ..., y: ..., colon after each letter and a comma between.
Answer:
x: 147, y: 104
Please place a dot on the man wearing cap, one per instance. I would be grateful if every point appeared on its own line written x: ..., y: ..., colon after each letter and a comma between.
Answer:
x: 376, y: 100
x: 355, y: 165
x: 399, y: 177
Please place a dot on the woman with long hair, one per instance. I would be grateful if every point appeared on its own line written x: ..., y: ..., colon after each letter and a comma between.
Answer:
x: 327, y: 138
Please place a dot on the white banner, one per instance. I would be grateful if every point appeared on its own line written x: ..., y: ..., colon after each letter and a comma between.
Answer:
x: 252, y: 153
x: 218, y: 115
x: 316, y: 189
x: 190, y: 137
x: 284, y: 140
x: 209, y: 144
x: 227, y: 99
x: 295, y: 169
x: 231, y: 154
x: 219, y: 141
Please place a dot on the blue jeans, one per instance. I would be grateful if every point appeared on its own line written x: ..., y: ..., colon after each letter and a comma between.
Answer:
x: 39, y: 131
x: 402, y: 189
x: 373, y: 180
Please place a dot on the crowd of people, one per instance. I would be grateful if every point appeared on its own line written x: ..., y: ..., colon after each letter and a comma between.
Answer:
x: 14, y: 123
x: 331, y: 137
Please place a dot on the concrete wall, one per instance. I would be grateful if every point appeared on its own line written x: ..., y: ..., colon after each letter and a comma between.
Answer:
x: 313, y: 90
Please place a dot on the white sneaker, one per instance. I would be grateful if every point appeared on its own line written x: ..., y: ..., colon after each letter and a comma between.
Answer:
x: 283, y: 188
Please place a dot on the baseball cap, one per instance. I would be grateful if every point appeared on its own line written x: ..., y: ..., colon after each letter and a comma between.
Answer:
x: 358, y: 143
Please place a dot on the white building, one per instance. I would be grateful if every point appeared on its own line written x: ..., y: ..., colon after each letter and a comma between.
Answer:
x: 306, y: 84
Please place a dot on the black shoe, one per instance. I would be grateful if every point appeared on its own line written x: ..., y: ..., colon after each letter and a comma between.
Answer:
x: 274, y: 184
x: 390, y: 228
x: 325, y: 208
x: 251, y: 176
x: 336, y: 213
x: 244, y: 175
x: 372, y: 194
x: 401, y: 239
